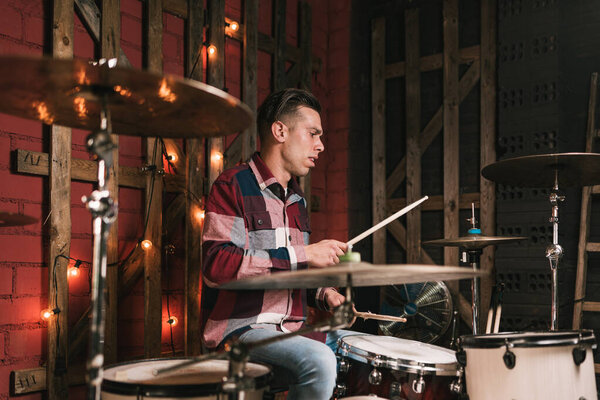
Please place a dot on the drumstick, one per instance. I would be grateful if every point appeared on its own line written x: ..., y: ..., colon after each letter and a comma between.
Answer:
x: 497, y: 321
x: 488, y: 326
x: 380, y: 317
x: 386, y: 221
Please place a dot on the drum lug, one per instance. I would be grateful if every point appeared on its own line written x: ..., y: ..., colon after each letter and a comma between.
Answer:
x: 340, y: 390
x: 509, y: 357
x: 344, y: 366
x: 418, y: 384
x: 375, y: 377
x: 461, y: 357
x: 579, y: 355
x: 457, y: 386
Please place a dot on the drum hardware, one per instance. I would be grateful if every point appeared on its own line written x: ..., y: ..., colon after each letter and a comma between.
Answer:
x: 418, y: 384
x: 551, y: 170
x: 375, y: 377
x: 457, y: 385
x: 12, y: 219
x: 454, y: 338
x: 509, y: 357
x: 474, y: 244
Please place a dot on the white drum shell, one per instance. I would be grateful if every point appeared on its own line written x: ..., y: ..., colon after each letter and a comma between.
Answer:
x: 547, y: 373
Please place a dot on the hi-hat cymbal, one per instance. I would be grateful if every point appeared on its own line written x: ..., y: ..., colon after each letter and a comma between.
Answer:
x: 67, y: 92
x: 474, y: 242
x: 12, y: 219
x: 362, y: 273
x: 571, y: 169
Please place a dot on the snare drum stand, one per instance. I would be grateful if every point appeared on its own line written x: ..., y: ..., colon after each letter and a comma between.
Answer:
x: 473, y: 257
x: 554, y: 251
x: 104, y: 212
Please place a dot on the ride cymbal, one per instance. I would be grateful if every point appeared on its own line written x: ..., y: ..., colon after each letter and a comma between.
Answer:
x: 474, y: 242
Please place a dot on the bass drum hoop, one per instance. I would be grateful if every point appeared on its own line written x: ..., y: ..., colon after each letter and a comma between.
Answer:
x: 529, y: 339
x: 185, y: 390
x: 381, y: 361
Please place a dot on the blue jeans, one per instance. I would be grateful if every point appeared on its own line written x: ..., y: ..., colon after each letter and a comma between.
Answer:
x: 306, y: 367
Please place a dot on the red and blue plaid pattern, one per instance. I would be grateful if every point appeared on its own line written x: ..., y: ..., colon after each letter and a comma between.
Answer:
x: 251, y: 228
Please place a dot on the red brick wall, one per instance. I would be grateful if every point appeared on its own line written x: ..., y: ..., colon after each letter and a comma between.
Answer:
x: 23, y: 253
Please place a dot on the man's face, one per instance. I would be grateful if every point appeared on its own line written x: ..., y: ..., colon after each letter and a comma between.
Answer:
x: 303, y: 144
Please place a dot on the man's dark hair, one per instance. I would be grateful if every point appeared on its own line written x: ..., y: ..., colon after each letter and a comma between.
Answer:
x: 282, y: 103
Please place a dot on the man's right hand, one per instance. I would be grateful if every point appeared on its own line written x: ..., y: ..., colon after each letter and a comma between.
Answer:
x: 325, y: 253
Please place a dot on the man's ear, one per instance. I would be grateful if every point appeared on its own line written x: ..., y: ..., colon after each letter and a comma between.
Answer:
x: 279, y: 131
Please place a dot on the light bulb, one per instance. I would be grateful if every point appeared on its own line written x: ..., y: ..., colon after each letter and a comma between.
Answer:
x: 234, y: 26
x: 73, y: 272
x: 146, y: 244
x: 216, y: 156
x: 200, y: 214
x: 212, y: 49
x: 49, y: 312
x: 172, y: 157
x: 172, y: 320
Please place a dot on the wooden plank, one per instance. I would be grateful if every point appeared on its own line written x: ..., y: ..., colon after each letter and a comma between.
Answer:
x: 591, y: 306
x: 278, y: 68
x: 378, y: 135
x: 435, y: 203
x: 487, y: 208
x: 305, y: 45
x: 451, y: 143
x: 32, y: 380
x: 216, y: 77
x: 60, y: 219
x: 413, y: 130
x: 33, y: 162
x: 584, y: 219
x: 433, y: 127
x: 595, y: 189
x: 194, y: 182
x: 467, y: 55
x: 152, y: 261
x: 250, y: 75
x: 109, y: 43
x: 177, y: 7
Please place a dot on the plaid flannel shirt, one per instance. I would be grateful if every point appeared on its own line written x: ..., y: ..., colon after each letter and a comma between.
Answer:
x: 252, y: 229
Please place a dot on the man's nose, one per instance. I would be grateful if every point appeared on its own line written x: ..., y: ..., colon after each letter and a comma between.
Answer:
x: 319, y: 146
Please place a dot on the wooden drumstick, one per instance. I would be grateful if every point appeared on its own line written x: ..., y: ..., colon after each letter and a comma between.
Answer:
x: 380, y: 317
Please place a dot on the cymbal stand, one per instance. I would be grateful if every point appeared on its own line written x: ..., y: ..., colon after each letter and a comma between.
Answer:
x: 554, y: 251
x: 104, y: 213
x: 238, y: 353
x: 473, y: 256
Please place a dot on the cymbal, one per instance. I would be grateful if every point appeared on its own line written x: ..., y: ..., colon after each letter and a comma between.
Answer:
x: 68, y: 92
x: 573, y: 169
x: 474, y: 242
x: 362, y: 273
x: 12, y: 219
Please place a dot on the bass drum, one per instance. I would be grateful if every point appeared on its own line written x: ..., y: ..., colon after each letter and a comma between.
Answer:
x: 555, y: 365
x: 136, y: 380
x: 395, y: 368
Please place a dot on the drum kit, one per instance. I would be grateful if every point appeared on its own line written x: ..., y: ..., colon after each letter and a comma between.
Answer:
x: 102, y: 97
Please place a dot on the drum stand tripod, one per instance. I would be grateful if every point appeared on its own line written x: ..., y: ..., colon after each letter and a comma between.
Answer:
x: 554, y: 251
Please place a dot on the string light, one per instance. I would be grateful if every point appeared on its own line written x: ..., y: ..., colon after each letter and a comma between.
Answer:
x: 172, y: 157
x: 212, y: 49
x: 200, y: 214
x: 216, y: 156
x: 74, y: 270
x: 172, y: 320
x: 49, y: 312
x: 146, y: 244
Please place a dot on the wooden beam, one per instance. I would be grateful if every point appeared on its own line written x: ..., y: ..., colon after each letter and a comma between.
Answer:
x: 435, y: 203
x: 250, y: 74
x: 177, y: 7
x: 413, y: 130
x: 278, y: 68
x: 591, y: 306
x: 153, y: 13
x: 109, y: 43
x: 304, y: 67
x: 433, y: 127
x: 60, y: 219
x: 487, y: 208
x: 34, y: 379
x: 467, y: 55
x: 216, y: 77
x: 378, y: 135
x: 195, y: 188
x: 33, y: 162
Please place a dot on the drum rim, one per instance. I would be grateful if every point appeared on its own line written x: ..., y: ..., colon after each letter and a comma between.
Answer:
x: 558, y: 338
x: 398, y: 364
x: 143, y: 389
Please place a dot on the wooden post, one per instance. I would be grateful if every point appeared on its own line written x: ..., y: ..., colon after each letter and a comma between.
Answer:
x: 110, y: 37
x: 378, y: 128
x: 194, y: 179
x: 60, y: 220
x: 216, y: 77
x: 305, y: 39
x: 278, y: 70
x: 250, y: 74
x: 154, y: 188
x: 413, y: 130
x: 487, y: 207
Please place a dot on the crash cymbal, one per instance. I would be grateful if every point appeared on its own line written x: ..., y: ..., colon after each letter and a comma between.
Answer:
x: 474, y: 242
x: 363, y: 274
x: 67, y: 92
x: 572, y: 169
x: 12, y: 219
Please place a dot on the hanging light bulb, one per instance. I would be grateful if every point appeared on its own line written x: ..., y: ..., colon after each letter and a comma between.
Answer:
x: 212, y: 49
x: 146, y: 244
x: 200, y: 214
x: 74, y: 270
x: 216, y: 156
x: 172, y: 157
x: 47, y: 313
x: 172, y: 320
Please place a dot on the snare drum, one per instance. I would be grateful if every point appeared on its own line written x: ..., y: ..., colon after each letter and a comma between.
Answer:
x: 136, y: 380
x: 395, y: 368
x: 529, y: 365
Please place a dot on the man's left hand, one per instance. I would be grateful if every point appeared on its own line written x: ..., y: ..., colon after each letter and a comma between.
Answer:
x: 334, y: 299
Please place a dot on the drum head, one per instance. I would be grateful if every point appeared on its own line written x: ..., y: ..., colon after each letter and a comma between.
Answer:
x: 399, y: 354
x: 529, y: 339
x: 199, y: 379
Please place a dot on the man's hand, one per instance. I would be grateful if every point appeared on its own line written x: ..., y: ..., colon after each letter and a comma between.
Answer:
x: 333, y: 298
x: 325, y: 253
